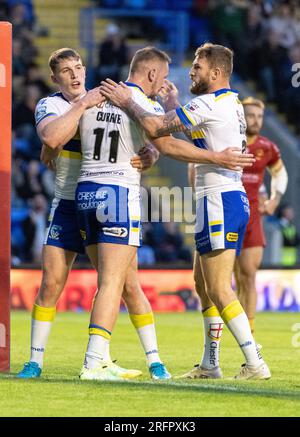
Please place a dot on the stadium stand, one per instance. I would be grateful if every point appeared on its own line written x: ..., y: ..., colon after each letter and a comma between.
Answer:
x: 264, y: 34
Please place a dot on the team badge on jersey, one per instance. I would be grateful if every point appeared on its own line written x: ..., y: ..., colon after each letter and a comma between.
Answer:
x: 55, y: 232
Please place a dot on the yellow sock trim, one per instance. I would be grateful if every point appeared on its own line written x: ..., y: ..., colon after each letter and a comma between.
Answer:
x: 140, y: 320
x: 211, y: 312
x: 231, y: 311
x: 101, y: 332
x: 43, y: 314
x: 251, y: 323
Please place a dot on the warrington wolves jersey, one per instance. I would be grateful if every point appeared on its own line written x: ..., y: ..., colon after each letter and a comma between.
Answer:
x: 215, y: 121
x: 109, y: 139
x: 68, y: 160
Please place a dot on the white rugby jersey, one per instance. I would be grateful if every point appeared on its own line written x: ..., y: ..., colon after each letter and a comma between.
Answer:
x: 215, y: 121
x: 109, y: 139
x: 68, y: 160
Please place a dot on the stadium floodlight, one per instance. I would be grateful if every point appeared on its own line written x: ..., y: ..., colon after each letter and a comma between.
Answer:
x: 5, y: 178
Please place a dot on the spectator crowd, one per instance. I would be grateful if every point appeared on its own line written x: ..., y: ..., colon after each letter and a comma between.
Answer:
x: 264, y: 34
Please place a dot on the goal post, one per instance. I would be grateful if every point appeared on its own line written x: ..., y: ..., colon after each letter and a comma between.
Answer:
x: 5, y: 181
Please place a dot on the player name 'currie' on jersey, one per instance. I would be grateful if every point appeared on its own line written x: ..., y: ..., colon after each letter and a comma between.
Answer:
x: 215, y: 121
x: 109, y: 139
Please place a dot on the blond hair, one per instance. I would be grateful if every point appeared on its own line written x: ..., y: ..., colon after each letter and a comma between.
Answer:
x: 253, y: 101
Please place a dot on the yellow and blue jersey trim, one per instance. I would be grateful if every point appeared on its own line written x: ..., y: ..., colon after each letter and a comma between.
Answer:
x: 224, y: 92
x: 133, y: 85
x: 198, y: 136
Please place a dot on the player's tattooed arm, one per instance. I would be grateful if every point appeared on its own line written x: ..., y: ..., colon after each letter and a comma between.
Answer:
x: 170, y: 123
x: 154, y: 125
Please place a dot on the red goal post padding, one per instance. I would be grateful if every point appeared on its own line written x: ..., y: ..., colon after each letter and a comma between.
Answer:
x: 5, y: 177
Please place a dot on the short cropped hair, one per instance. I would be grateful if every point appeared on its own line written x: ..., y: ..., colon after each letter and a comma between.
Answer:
x: 60, y: 54
x: 253, y: 101
x: 147, y: 54
x: 217, y: 56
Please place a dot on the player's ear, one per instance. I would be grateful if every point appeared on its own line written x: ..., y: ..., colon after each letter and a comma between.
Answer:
x: 53, y: 78
x: 152, y: 75
x: 215, y: 73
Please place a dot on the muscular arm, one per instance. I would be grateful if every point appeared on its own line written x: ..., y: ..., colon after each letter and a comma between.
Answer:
x: 56, y: 131
x: 181, y: 150
x: 154, y: 125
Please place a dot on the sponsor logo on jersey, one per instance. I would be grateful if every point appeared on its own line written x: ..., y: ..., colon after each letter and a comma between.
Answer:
x: 116, y: 232
x: 191, y: 106
x: 55, y: 232
x: 232, y: 236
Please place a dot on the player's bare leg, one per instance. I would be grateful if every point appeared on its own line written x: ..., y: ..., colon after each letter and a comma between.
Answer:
x: 217, y: 270
x: 113, y: 263
x: 213, y: 325
x: 142, y: 318
x: 56, y: 265
x: 248, y: 263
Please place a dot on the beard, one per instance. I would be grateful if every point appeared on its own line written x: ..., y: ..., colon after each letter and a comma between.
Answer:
x: 253, y: 130
x: 200, y: 87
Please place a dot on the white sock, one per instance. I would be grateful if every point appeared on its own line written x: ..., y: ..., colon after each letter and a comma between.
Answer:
x: 97, y: 351
x: 213, y: 327
x: 39, y: 337
x: 41, y: 323
x: 237, y: 322
x: 145, y: 327
x: 148, y: 340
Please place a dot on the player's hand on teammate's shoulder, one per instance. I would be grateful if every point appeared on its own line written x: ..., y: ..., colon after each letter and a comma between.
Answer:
x: 118, y: 94
x: 93, y: 98
x: 233, y: 159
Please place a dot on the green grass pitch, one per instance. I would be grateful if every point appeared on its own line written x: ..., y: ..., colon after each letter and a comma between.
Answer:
x: 60, y: 393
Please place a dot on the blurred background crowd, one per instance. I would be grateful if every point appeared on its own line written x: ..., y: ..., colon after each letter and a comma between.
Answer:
x: 264, y: 34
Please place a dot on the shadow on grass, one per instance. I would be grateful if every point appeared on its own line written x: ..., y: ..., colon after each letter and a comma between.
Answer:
x: 199, y: 386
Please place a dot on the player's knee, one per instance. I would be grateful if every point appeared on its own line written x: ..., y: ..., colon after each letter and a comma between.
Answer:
x: 49, y: 290
x: 247, y: 276
x: 219, y: 292
x: 131, y: 290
